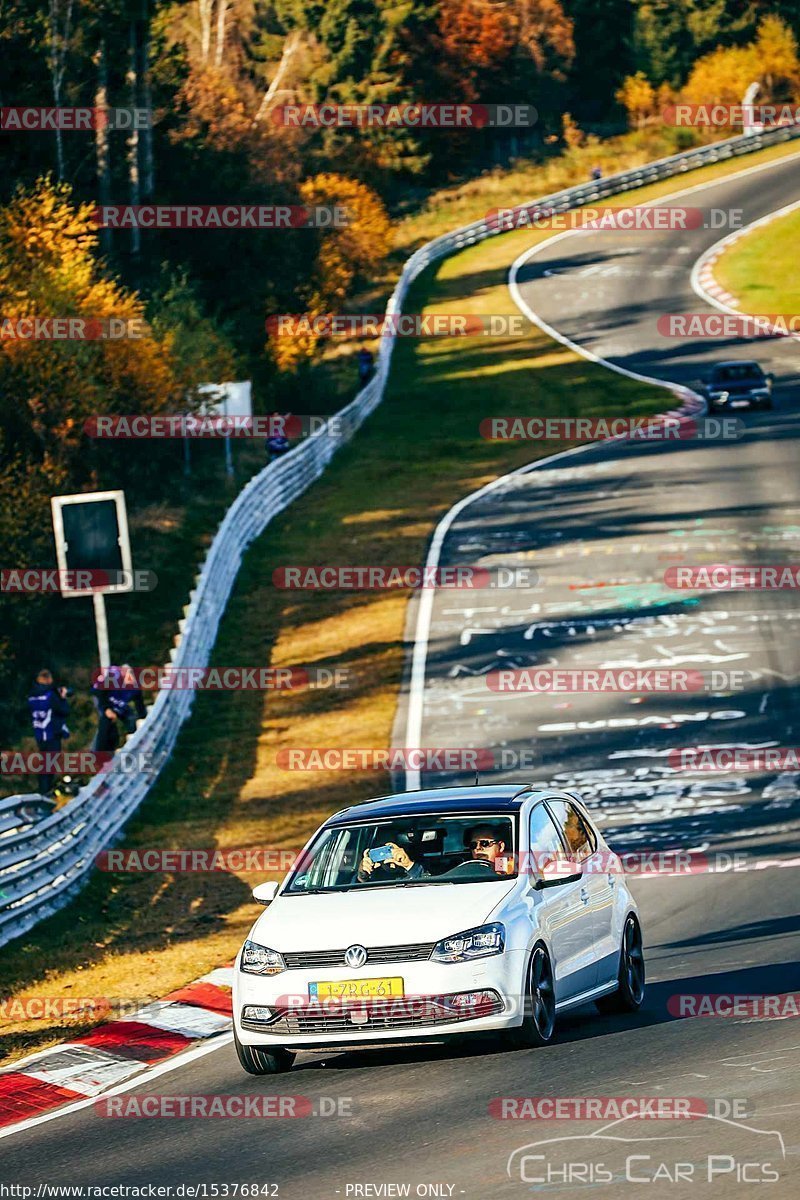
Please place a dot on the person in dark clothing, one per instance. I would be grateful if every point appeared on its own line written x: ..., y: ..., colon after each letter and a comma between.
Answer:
x: 49, y: 709
x: 365, y: 366
x: 114, y: 692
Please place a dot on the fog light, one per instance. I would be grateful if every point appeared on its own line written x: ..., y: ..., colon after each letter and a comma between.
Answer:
x: 256, y: 1012
x: 472, y: 999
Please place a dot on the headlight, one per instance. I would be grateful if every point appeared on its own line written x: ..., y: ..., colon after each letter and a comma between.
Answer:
x: 260, y: 960
x: 718, y: 395
x: 473, y: 943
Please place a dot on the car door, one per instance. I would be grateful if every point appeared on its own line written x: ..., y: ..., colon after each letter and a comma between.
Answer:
x: 561, y: 909
x: 597, y: 891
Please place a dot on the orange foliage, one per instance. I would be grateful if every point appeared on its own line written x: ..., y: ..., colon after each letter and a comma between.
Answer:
x: 347, y: 255
x: 476, y: 37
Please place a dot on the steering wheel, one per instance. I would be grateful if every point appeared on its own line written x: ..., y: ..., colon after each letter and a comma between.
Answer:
x: 466, y: 868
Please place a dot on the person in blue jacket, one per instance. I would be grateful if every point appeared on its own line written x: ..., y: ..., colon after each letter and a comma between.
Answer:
x: 119, y: 701
x: 49, y: 709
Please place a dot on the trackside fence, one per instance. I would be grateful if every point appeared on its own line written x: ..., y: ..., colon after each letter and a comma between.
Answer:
x: 45, y: 860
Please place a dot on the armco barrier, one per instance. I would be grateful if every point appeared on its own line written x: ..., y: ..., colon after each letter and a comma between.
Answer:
x: 43, y: 865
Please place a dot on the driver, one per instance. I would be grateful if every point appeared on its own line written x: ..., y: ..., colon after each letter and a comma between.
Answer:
x: 399, y: 866
x: 484, y: 845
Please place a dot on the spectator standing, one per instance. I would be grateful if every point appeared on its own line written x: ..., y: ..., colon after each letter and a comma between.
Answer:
x: 49, y: 709
x: 365, y: 366
x: 114, y: 692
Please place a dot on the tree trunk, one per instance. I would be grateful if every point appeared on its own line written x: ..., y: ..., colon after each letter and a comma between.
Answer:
x: 219, y: 50
x: 132, y: 82
x: 148, y: 161
x: 57, y: 55
x: 290, y: 48
x: 205, y: 10
x: 102, y: 141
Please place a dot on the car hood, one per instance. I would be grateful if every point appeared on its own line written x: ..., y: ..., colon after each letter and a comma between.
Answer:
x: 391, y: 916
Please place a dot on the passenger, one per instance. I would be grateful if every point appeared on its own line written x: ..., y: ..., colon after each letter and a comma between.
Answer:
x: 398, y: 864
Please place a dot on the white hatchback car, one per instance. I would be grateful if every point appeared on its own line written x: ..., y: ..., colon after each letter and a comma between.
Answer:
x: 424, y: 916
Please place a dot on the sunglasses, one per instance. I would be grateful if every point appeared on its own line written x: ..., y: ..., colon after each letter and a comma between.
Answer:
x: 483, y: 843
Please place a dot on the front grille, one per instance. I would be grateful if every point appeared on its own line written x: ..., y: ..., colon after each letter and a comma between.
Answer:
x: 380, y: 1015
x: 309, y: 959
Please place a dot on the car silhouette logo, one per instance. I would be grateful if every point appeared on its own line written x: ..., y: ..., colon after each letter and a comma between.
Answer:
x: 355, y: 956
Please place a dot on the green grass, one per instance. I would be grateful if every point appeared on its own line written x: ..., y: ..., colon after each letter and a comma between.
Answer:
x: 138, y: 936
x: 761, y: 269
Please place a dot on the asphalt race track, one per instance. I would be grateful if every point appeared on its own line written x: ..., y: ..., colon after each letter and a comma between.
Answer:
x: 600, y: 530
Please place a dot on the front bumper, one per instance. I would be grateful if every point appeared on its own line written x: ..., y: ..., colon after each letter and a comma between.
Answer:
x: 427, y: 1010
x: 742, y: 400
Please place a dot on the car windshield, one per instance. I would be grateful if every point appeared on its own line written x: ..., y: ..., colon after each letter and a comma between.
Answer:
x: 738, y: 372
x: 407, y: 852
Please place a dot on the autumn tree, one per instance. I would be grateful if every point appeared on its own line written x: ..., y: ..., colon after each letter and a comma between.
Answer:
x: 50, y: 388
x: 638, y: 98
x: 347, y: 257
x: 771, y: 60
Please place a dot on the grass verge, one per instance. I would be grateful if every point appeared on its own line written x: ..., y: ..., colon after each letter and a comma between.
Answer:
x: 136, y: 936
x: 761, y: 268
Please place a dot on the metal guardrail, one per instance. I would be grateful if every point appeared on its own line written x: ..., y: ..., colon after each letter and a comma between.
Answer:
x: 44, y: 864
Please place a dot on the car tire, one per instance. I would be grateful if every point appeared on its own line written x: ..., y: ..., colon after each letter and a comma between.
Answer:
x: 263, y: 1060
x: 629, y: 994
x: 538, y: 1026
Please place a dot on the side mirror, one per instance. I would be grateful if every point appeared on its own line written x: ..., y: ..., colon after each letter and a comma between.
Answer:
x: 557, y: 874
x: 265, y: 893
x: 771, y: 376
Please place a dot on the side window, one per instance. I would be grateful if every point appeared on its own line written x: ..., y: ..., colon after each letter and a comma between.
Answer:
x: 574, y: 829
x: 545, y: 844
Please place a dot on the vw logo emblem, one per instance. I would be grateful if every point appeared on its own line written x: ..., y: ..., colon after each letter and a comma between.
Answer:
x: 355, y: 956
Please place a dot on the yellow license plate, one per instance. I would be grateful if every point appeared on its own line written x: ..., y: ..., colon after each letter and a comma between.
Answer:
x: 356, y: 989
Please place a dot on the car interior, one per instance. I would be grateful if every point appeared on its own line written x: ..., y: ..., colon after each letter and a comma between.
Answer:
x: 440, y: 846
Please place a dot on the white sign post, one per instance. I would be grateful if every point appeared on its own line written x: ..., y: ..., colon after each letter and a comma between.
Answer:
x: 93, y: 552
x: 227, y: 400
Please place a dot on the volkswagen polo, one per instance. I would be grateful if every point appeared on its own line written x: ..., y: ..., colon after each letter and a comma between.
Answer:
x: 433, y: 914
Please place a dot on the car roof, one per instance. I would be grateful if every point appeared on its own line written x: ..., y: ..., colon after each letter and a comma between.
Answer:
x: 736, y: 362
x: 499, y: 798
